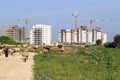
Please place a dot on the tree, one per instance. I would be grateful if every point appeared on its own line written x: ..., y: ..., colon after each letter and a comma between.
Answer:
x: 117, y: 40
x: 99, y: 42
x: 7, y: 40
x: 110, y: 45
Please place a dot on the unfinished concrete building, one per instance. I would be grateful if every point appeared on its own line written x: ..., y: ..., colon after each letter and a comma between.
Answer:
x: 15, y: 32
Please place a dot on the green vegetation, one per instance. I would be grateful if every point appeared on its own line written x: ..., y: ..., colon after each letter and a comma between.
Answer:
x: 110, y: 45
x: 90, y: 63
x: 99, y: 42
x: 117, y: 40
x: 115, y: 44
x: 7, y: 40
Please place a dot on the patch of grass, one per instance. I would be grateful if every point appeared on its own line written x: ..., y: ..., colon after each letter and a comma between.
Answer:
x: 100, y: 64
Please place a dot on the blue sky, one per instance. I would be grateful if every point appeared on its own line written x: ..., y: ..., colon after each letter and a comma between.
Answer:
x: 57, y: 13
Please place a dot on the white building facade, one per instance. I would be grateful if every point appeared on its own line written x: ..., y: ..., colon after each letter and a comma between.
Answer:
x: 104, y: 38
x: 89, y: 37
x: 81, y: 36
x: 62, y: 36
x: 40, y: 34
x: 68, y: 36
x: 99, y: 35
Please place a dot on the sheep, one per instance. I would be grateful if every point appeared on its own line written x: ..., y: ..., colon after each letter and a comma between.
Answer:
x: 10, y: 51
x: 1, y: 51
x: 46, y: 49
x: 16, y: 49
x: 25, y: 55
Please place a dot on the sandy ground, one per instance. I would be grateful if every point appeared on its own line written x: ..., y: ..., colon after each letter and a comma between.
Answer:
x: 14, y: 68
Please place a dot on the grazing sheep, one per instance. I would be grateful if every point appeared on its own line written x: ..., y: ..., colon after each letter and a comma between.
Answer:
x: 45, y: 51
x: 1, y: 51
x: 61, y: 48
x: 10, y: 51
x: 16, y: 49
x: 25, y: 55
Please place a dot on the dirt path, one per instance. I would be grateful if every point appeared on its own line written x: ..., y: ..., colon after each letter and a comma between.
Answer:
x: 13, y: 68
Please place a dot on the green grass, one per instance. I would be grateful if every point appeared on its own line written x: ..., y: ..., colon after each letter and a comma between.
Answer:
x: 91, y: 63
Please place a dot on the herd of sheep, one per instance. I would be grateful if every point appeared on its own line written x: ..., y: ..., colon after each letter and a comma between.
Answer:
x: 12, y: 51
x: 23, y: 50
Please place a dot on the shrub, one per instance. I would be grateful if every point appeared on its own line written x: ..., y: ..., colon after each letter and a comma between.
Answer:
x: 117, y: 40
x: 7, y: 40
x: 99, y: 42
x: 110, y: 45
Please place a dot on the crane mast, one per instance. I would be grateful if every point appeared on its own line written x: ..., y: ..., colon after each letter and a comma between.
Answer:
x: 91, y: 22
x: 26, y: 29
x: 75, y: 20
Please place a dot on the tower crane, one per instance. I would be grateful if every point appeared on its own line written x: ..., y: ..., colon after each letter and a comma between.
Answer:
x: 96, y: 20
x: 26, y: 28
x: 76, y: 30
x: 75, y: 15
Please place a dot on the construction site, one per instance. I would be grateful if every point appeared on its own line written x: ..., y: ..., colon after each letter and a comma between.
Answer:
x: 41, y: 34
x: 82, y: 34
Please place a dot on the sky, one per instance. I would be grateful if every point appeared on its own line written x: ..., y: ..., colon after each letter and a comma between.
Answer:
x: 57, y: 13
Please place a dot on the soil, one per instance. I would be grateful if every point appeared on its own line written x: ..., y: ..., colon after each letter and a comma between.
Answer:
x: 14, y: 67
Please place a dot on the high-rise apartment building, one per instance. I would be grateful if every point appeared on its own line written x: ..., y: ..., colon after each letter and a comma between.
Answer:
x: 78, y: 35
x: 104, y: 38
x: 81, y: 35
x: 90, y: 38
x: 84, y: 34
x: 62, y: 35
x: 97, y: 34
x: 15, y: 32
x: 65, y: 36
x: 40, y: 34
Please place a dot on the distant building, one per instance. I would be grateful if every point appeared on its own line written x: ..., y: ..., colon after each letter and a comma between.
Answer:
x: 65, y: 36
x: 40, y: 34
x: 98, y: 34
x: 84, y: 34
x: 90, y: 38
x: 62, y: 36
x: 68, y: 36
x: 15, y: 32
x: 76, y: 36
x: 104, y: 39
x: 81, y: 35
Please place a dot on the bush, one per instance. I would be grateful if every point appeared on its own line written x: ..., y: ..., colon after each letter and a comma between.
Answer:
x: 110, y: 45
x: 117, y: 40
x: 99, y: 42
x: 7, y: 40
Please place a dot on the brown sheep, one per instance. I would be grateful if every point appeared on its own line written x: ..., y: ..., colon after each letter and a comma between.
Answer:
x: 25, y: 55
